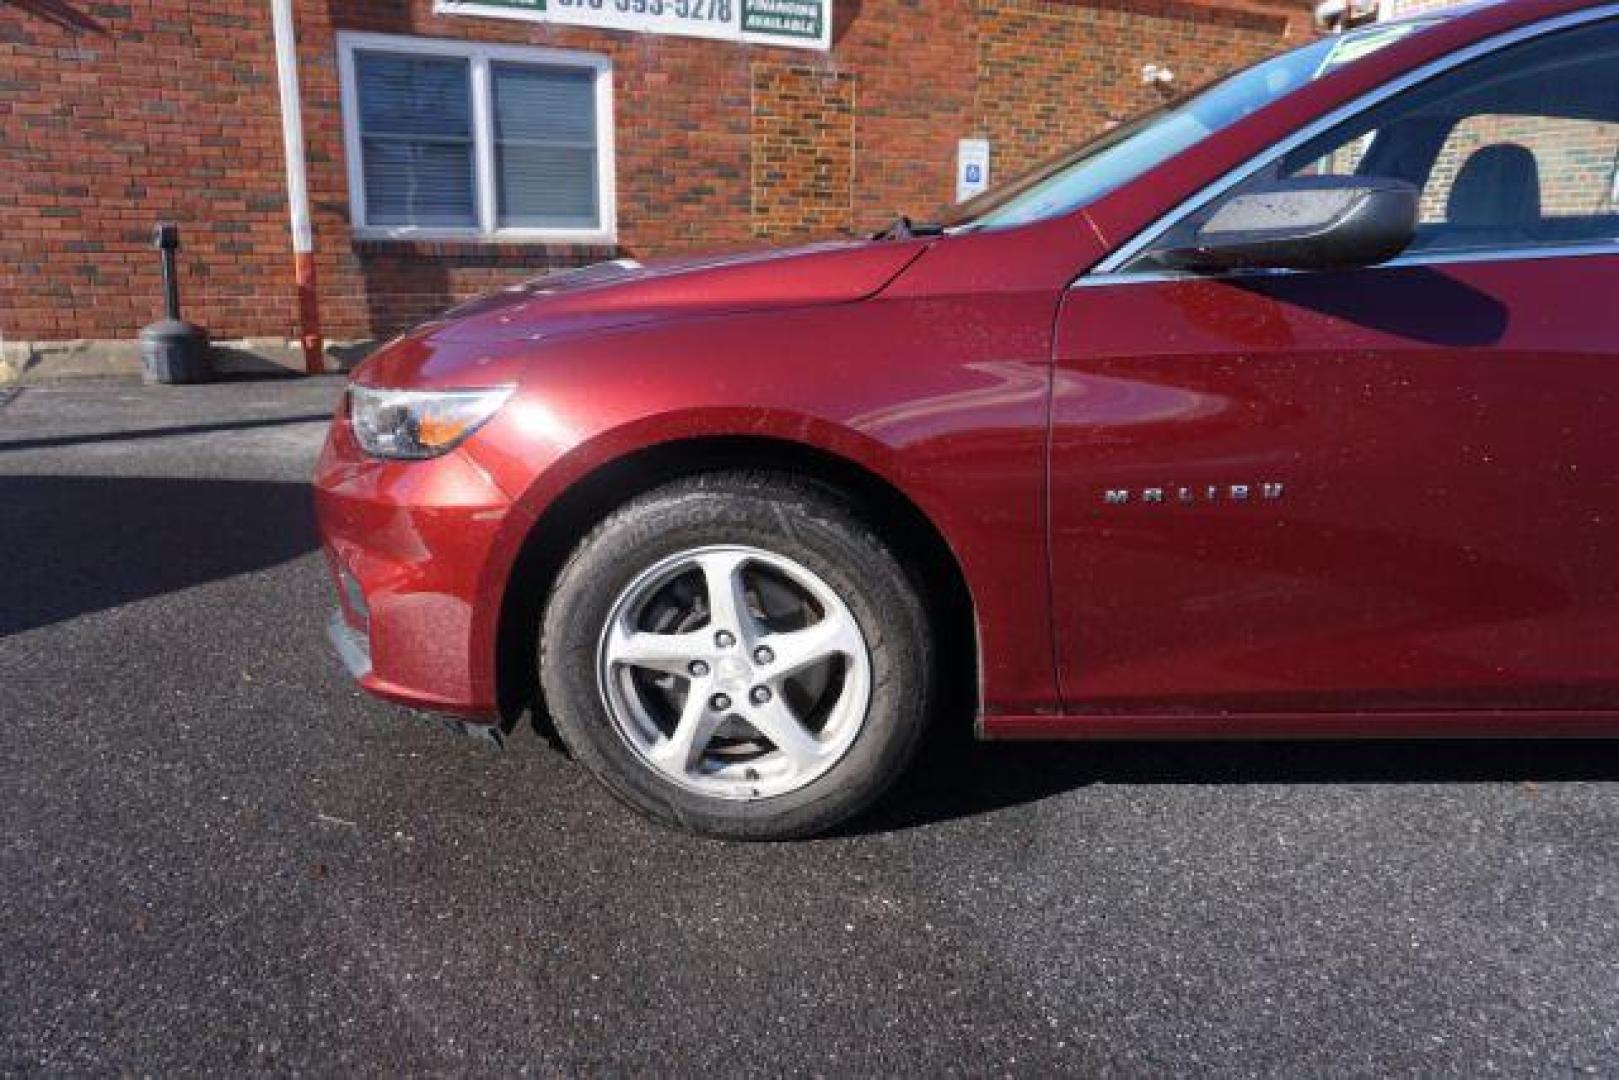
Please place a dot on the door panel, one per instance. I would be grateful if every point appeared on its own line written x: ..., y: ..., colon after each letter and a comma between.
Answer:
x: 1446, y: 534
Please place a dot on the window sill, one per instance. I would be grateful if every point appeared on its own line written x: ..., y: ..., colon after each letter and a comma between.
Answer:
x: 467, y: 245
x: 553, y: 237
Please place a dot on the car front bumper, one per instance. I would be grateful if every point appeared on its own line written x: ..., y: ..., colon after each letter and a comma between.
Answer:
x: 351, y: 645
x: 354, y: 651
x: 412, y: 549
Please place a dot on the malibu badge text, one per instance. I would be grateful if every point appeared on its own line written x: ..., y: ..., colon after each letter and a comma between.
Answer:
x: 1188, y: 495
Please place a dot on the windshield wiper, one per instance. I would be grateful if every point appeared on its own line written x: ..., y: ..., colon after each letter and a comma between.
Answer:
x: 905, y: 229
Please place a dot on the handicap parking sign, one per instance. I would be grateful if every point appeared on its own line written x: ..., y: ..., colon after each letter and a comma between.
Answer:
x: 972, y: 169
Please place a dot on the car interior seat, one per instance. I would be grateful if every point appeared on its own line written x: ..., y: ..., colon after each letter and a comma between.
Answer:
x: 1496, y: 198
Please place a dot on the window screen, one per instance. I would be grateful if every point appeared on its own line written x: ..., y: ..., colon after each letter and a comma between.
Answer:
x: 416, y: 140
x: 545, y: 146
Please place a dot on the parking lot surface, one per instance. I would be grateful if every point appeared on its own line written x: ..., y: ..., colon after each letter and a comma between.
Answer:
x: 218, y: 855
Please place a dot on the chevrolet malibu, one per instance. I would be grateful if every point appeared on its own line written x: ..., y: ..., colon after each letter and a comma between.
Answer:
x: 1288, y: 410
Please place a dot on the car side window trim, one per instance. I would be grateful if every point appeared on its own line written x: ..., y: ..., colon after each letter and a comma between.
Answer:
x: 1110, y: 270
x: 1527, y: 253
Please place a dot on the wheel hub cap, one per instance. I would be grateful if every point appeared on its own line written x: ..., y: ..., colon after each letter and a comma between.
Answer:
x: 734, y: 677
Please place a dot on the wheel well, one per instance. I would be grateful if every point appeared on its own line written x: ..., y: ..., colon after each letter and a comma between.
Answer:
x: 915, y: 539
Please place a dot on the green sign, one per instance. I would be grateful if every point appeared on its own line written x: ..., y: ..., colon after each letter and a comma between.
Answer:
x: 803, y: 19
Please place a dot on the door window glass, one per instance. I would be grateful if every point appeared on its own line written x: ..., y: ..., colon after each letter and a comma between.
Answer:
x: 1574, y: 157
x: 1516, y: 150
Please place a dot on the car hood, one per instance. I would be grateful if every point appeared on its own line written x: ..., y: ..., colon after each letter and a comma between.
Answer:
x: 626, y: 292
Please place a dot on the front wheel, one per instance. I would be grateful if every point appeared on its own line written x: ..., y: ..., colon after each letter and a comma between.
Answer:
x: 738, y: 654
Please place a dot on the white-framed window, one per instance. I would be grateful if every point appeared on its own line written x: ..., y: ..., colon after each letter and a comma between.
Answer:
x: 457, y: 140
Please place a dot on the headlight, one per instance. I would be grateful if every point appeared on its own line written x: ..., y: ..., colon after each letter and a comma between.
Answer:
x: 419, y: 423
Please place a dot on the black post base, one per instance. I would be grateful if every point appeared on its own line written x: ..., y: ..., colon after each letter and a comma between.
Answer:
x: 173, y: 351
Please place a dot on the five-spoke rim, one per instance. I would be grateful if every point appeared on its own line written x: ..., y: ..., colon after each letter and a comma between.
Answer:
x: 734, y: 672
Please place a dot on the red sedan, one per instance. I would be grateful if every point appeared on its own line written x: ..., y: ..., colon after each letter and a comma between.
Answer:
x: 1287, y: 410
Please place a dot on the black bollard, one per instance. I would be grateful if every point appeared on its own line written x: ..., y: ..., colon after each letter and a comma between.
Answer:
x: 173, y: 350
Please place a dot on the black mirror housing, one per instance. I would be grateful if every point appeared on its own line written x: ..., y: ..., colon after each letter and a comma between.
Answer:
x: 1307, y: 223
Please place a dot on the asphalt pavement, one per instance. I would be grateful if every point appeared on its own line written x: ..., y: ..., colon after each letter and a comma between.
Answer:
x: 217, y: 856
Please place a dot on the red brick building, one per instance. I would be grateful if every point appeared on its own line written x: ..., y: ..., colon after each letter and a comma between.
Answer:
x: 450, y: 151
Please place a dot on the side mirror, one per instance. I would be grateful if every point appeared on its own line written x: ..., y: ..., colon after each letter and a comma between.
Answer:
x: 1309, y: 223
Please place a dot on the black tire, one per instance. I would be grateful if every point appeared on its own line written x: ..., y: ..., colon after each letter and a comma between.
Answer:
x: 785, y: 516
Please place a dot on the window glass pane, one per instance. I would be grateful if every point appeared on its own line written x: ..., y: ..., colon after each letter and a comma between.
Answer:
x: 420, y: 184
x: 547, y: 186
x: 545, y: 146
x: 1574, y: 158
x: 1343, y: 161
x: 416, y: 140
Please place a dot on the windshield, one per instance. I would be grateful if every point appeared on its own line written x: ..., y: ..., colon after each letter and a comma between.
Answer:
x: 1082, y: 176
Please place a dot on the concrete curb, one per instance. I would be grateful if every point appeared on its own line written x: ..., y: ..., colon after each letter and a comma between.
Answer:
x: 25, y: 363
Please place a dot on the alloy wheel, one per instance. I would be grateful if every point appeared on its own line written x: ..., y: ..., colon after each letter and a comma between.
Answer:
x: 734, y: 672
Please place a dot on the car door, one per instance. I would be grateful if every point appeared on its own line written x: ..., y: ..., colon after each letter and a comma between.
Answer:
x: 1385, y: 489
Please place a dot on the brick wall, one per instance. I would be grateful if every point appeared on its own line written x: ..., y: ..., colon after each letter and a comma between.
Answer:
x: 112, y: 115
x: 116, y: 114
x: 802, y: 151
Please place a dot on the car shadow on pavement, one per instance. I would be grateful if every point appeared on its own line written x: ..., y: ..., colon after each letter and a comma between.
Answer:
x: 56, y: 442
x: 70, y: 545
x: 956, y: 778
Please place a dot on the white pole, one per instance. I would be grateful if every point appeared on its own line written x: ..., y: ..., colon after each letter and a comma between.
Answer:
x: 292, y: 137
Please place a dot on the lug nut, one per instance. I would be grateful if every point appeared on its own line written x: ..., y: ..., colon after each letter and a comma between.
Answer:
x: 725, y: 639
x: 760, y: 695
x: 762, y: 655
x: 719, y: 702
x: 698, y: 669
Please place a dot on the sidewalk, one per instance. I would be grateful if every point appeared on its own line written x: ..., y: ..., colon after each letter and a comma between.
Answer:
x: 36, y: 363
